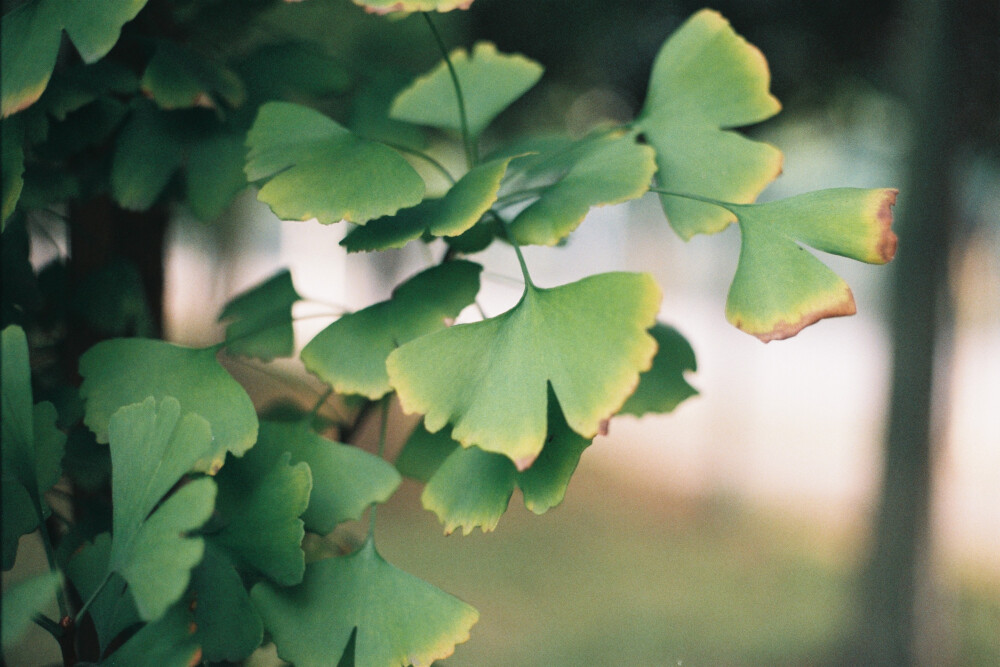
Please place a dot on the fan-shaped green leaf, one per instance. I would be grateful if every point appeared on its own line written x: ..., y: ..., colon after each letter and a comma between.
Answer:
x: 126, y: 370
x: 609, y: 169
x: 19, y: 517
x: 469, y: 488
x: 169, y: 642
x: 151, y: 449
x: 113, y: 610
x: 147, y: 154
x: 663, y: 387
x: 32, y: 33
x: 454, y: 213
x: 489, y: 379
x: 400, y: 619
x: 491, y: 81
x: 780, y: 288
x: 706, y: 81
x: 179, y: 78
x: 350, y: 354
x: 11, y: 166
x: 22, y: 601
x: 259, y: 508
x: 229, y: 628
x: 392, y: 6
x: 214, y: 173
x: 346, y: 480
x: 315, y: 168
x: 261, y: 317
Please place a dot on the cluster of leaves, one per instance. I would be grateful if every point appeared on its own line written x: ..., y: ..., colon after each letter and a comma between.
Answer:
x: 202, y: 552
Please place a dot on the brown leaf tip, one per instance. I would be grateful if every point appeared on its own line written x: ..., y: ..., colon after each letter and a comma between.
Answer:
x: 783, y: 329
x: 888, y: 241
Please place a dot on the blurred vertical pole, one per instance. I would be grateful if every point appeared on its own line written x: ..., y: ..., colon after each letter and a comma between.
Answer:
x: 895, y: 576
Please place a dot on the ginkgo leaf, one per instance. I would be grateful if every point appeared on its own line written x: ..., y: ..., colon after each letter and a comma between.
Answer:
x: 400, y: 620
x: 147, y: 154
x: 315, y: 168
x: 113, y: 610
x: 179, y: 78
x: 32, y: 33
x: 706, y: 81
x: 607, y: 169
x: 214, y: 174
x: 259, y: 508
x: 346, y: 480
x: 171, y: 641
x: 152, y: 447
x: 469, y: 488
x: 780, y: 288
x: 491, y: 81
x: 261, y: 317
x: 229, y: 628
x: 489, y: 379
x: 663, y: 387
x: 22, y: 601
x: 392, y: 6
x: 454, y: 213
x: 123, y: 371
x: 350, y: 354
x: 11, y: 166
x: 32, y: 447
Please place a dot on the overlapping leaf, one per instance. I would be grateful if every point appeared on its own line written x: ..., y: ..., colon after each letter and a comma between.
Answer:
x: 261, y: 319
x: 490, y: 379
x: 604, y: 169
x: 350, y: 354
x: 706, y: 81
x: 780, y: 288
x: 259, y: 508
x: 22, y: 601
x: 152, y: 447
x: 394, y: 6
x: 32, y: 446
x: 170, y: 641
x: 179, y: 78
x: 229, y: 629
x: 491, y: 81
x: 32, y: 34
x: 469, y: 488
x: 214, y: 173
x: 113, y: 610
x: 663, y: 387
x: 454, y: 213
x: 147, y: 154
x: 346, y: 480
x: 315, y: 168
x: 400, y: 620
x: 126, y: 370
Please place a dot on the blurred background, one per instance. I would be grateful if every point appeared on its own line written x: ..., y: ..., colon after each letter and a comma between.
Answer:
x: 830, y: 499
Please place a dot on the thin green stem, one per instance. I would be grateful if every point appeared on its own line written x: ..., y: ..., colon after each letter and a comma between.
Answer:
x: 90, y: 600
x: 47, y: 624
x: 50, y: 556
x: 521, y: 195
x: 470, y: 146
x: 319, y: 404
x: 707, y: 200
x: 383, y: 431
x: 425, y: 157
x: 517, y: 248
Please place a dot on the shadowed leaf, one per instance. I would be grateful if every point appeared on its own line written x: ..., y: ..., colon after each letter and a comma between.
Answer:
x: 706, y: 81
x: 11, y: 166
x: 261, y: 317
x: 113, y: 610
x: 454, y: 213
x: 400, y: 619
x: 314, y: 168
x: 179, y: 78
x: 663, y: 387
x: 169, y: 642
x: 147, y: 154
x: 491, y: 81
x: 350, y: 354
x: 22, y: 601
x: 490, y: 379
x: 229, y: 628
